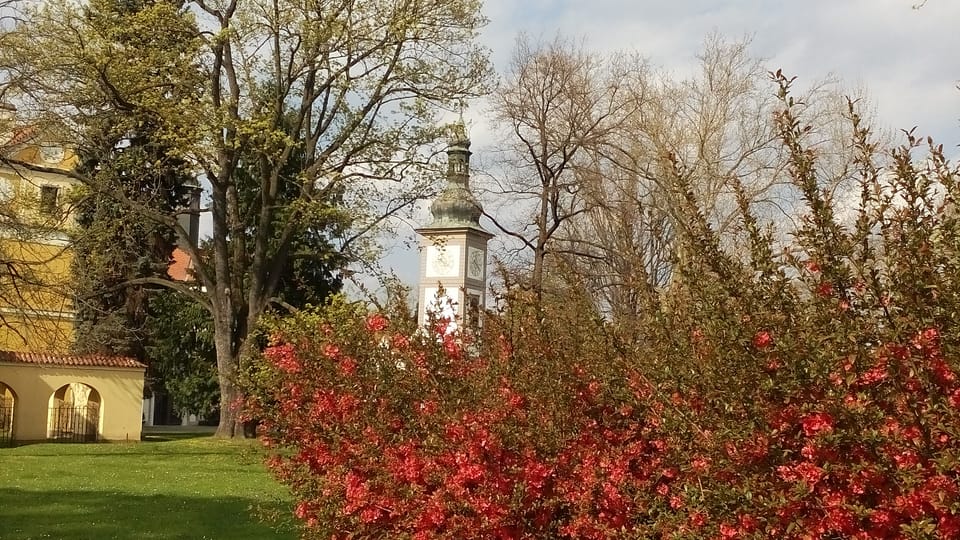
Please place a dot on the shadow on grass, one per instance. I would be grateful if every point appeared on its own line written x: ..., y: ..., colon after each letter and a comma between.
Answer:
x: 146, y: 437
x: 81, y: 515
x: 166, y: 436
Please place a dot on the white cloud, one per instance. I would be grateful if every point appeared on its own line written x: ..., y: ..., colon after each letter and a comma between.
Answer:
x: 905, y: 59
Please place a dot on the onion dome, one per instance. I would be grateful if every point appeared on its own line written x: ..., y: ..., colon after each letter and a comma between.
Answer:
x: 456, y: 206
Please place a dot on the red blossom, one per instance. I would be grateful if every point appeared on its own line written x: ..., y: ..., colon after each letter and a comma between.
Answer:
x: 825, y: 289
x: 948, y: 526
x: 302, y: 510
x: 700, y: 464
x: 284, y: 357
x: 816, y: 423
x: 443, y: 327
x: 427, y: 407
x: 762, y: 339
x: 400, y: 342
x: 376, y: 323
x: 347, y: 366
x: 943, y: 373
x: 877, y: 373
x: 747, y: 523
x: 331, y: 351
x: 698, y: 519
x: 954, y: 399
x: 728, y: 531
x: 417, y: 453
x: 805, y: 472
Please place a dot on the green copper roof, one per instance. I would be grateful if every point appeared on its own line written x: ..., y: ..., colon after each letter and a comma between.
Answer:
x: 456, y: 206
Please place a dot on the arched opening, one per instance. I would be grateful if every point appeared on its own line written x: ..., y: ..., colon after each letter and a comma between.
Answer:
x: 8, y: 400
x: 74, y: 414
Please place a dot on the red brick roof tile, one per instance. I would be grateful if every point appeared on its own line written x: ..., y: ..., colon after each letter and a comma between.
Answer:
x: 21, y: 135
x: 57, y: 359
x: 181, y: 269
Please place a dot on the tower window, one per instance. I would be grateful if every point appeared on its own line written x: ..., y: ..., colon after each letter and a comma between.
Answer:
x: 48, y: 199
x: 472, y: 315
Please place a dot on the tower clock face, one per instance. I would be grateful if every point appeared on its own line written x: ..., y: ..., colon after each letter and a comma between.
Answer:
x: 443, y: 261
x: 476, y: 263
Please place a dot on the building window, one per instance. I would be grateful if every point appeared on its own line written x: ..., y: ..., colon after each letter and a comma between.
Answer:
x: 472, y: 315
x: 48, y: 199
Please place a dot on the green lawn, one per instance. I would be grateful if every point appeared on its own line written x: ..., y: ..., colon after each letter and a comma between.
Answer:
x: 189, y: 488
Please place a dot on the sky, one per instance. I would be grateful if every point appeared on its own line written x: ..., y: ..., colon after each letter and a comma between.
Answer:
x: 906, y: 60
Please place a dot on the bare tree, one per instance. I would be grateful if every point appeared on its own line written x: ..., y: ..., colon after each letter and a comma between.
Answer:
x: 679, y: 157
x: 558, y: 104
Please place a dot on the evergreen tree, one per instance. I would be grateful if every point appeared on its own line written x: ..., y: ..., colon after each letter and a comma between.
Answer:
x: 113, y: 247
x: 131, y: 164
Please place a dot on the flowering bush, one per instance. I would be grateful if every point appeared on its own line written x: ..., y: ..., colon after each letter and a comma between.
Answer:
x: 382, y: 432
x: 813, y: 394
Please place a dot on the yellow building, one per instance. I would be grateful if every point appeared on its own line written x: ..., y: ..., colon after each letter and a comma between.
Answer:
x: 62, y: 397
x: 36, y: 312
x: 46, y: 394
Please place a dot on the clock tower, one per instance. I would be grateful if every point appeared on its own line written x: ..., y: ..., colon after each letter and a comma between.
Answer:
x: 453, y: 248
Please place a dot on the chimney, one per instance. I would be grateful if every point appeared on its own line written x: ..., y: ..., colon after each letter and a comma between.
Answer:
x: 190, y: 218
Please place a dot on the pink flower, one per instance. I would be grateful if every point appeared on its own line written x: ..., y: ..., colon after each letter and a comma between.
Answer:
x: 825, y: 289
x: 348, y: 366
x: 815, y: 423
x: 400, y: 342
x: 331, y: 351
x: 762, y: 339
x: 376, y: 323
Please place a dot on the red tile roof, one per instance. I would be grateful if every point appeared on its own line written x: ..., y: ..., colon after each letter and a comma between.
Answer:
x: 21, y: 135
x: 57, y: 359
x: 181, y: 269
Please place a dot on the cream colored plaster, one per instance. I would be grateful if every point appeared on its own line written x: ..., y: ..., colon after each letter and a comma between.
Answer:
x: 120, y: 390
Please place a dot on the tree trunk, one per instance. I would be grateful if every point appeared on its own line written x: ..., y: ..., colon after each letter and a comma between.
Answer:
x: 537, y: 279
x: 227, y: 367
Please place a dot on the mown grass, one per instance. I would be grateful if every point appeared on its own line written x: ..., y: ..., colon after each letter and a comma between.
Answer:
x: 170, y: 487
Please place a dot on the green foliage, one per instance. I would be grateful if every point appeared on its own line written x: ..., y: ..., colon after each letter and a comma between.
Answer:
x: 797, y: 387
x: 182, y: 353
x: 341, y: 101
x: 311, y: 260
x: 128, y: 161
